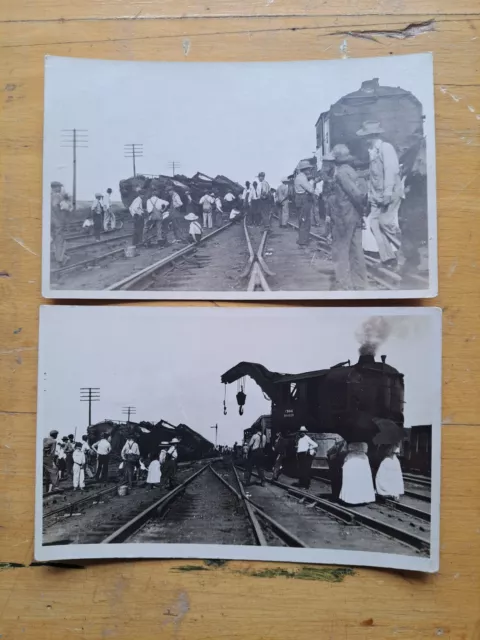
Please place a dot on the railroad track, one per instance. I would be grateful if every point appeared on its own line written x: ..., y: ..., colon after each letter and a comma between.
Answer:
x: 147, y: 525
x: 382, y: 276
x: 71, y: 507
x: 143, y: 279
x: 415, y: 532
x: 398, y: 506
x: 420, y: 480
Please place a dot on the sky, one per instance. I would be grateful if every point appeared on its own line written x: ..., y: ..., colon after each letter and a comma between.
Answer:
x: 234, y: 119
x: 167, y: 362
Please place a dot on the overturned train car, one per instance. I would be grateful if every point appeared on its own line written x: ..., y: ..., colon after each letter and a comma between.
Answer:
x: 149, y: 436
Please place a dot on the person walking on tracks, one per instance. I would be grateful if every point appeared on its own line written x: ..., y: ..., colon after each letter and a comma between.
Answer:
x: 207, y: 202
x: 246, y: 198
x: 336, y: 456
x: 265, y: 200
x: 306, y: 448
x: 79, y: 463
x: 176, y: 215
x: 69, y: 449
x: 50, y: 471
x: 280, y: 450
x: 60, y: 206
x: 137, y: 213
x: 97, y: 216
x: 158, y: 219
x: 384, y: 192
x: 283, y: 203
x: 102, y: 448
x: 109, y: 221
x: 255, y: 204
x: 154, y: 476
x: 255, y: 457
x: 169, y: 467
x: 304, y: 192
x: 130, y: 455
x: 348, y: 207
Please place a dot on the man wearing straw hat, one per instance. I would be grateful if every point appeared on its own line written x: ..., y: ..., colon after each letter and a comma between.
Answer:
x: 384, y: 192
x: 97, y: 214
x: 347, y: 209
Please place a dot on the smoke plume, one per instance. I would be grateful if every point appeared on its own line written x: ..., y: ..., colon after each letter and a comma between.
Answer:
x: 373, y: 333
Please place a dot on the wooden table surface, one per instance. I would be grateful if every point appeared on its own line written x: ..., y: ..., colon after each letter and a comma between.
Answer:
x: 155, y: 599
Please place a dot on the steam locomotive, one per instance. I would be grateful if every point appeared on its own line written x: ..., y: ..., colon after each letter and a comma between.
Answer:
x: 356, y: 401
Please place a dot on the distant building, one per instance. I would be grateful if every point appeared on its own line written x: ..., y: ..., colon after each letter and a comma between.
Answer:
x: 417, y: 449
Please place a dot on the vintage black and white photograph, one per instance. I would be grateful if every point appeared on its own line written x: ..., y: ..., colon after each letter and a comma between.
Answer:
x: 283, y: 434
x: 255, y: 180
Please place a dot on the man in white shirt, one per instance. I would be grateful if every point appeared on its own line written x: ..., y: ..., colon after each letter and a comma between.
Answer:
x: 306, y: 449
x: 158, y: 220
x: 89, y: 456
x: 130, y: 455
x: 246, y: 198
x: 255, y: 457
x: 255, y: 204
x: 109, y: 221
x: 384, y: 191
x: 218, y: 211
x: 137, y: 213
x: 229, y: 199
x: 79, y: 462
x: 207, y: 203
x: 265, y: 199
x: 102, y: 448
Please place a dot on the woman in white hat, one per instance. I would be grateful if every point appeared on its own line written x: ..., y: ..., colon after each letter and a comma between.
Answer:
x: 357, y: 481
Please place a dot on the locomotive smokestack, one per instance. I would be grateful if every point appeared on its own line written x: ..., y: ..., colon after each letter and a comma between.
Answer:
x: 384, y: 358
x: 366, y: 358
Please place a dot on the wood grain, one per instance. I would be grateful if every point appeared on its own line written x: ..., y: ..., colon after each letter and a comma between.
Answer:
x: 157, y: 599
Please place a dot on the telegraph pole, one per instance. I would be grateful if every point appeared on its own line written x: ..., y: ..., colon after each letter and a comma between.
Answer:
x: 89, y: 394
x: 133, y: 151
x: 216, y: 433
x: 173, y: 166
x: 75, y: 139
x: 129, y: 411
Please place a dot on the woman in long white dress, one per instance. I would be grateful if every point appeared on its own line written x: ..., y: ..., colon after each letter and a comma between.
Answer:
x: 357, y: 481
x: 389, y: 478
x: 154, y: 473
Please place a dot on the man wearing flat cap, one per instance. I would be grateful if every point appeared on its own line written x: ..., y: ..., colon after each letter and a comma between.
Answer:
x: 347, y: 210
x: 384, y: 192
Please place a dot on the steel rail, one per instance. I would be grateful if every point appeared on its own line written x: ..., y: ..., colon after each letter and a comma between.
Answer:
x: 284, y: 534
x: 130, y: 281
x: 260, y: 536
x: 84, y: 263
x: 343, y: 512
x: 135, y: 523
x: 418, y: 496
x: 77, y: 503
x: 422, y: 481
x: 84, y: 245
x: 399, y: 506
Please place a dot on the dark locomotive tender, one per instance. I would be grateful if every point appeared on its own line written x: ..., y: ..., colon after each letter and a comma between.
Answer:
x: 353, y: 401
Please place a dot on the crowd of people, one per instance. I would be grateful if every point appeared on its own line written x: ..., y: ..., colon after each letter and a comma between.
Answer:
x: 350, y: 472
x: 68, y: 460
x: 354, y: 210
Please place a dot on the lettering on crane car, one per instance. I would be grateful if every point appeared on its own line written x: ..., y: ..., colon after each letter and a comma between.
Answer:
x: 288, y: 413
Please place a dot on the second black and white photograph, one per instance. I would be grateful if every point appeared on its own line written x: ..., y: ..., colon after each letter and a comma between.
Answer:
x: 298, y: 435
x: 240, y: 180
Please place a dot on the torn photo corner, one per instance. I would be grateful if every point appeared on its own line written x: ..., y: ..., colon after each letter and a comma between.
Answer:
x: 210, y: 433
x: 239, y: 180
